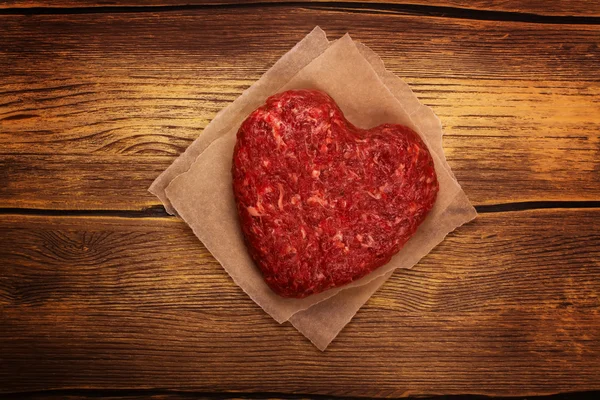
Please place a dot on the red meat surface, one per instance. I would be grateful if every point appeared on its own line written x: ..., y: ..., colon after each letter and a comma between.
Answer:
x: 321, y: 202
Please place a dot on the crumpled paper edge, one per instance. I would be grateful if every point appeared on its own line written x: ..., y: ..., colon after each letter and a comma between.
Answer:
x: 314, y: 43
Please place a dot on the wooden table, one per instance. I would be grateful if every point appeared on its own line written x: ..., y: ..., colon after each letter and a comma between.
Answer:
x: 104, y: 294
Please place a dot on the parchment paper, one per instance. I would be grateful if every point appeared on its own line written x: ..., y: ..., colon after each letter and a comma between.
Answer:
x: 369, y: 95
x: 322, y: 322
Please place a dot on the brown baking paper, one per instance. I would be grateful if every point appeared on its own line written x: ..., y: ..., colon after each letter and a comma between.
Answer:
x: 369, y: 95
x: 322, y: 322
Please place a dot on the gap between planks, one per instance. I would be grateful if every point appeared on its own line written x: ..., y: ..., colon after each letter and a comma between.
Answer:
x: 346, y: 6
x: 158, y: 211
x: 168, y: 394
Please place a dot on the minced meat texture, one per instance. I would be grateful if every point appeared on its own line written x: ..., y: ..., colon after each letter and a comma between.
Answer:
x: 321, y: 202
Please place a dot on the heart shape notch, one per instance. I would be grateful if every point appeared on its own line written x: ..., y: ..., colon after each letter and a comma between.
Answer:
x: 321, y: 202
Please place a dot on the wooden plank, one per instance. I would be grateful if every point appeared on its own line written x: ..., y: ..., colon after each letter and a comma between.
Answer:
x: 170, y: 395
x: 151, y: 395
x: 506, y: 305
x: 523, y: 144
x: 539, y: 7
x: 111, y: 99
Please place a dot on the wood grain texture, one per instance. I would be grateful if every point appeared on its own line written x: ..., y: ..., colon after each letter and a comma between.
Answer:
x: 500, y: 307
x: 539, y: 7
x: 95, y: 104
x: 155, y: 394
x: 105, y: 103
x: 177, y: 395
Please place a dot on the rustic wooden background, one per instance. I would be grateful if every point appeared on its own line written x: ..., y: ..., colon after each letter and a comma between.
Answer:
x: 102, y: 294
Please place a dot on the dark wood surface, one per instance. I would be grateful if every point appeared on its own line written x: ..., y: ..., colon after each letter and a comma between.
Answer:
x: 536, y: 7
x: 104, y: 295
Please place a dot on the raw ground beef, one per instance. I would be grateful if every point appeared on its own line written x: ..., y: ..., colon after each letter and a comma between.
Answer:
x: 321, y: 202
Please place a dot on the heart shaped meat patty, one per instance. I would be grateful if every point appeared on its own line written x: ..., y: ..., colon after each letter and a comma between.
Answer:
x: 321, y: 202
